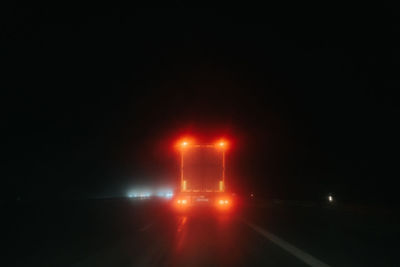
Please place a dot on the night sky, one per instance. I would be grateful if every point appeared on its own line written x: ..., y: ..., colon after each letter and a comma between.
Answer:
x: 97, y: 98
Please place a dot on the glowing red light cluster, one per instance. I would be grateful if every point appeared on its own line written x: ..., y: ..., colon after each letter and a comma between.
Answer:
x: 182, y: 201
x: 223, y: 202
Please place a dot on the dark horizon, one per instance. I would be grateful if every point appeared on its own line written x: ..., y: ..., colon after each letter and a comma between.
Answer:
x: 97, y: 101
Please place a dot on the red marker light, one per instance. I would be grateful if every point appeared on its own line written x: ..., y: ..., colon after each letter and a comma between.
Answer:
x: 184, y: 143
x: 222, y: 144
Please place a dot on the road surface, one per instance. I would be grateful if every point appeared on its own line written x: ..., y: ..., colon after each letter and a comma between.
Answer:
x: 147, y: 233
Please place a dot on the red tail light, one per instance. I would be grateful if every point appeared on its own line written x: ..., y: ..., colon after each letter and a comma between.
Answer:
x: 182, y: 202
x: 224, y: 203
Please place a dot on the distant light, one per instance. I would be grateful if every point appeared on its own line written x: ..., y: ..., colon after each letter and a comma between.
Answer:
x: 330, y: 198
x: 226, y: 201
x: 184, y: 143
x: 140, y: 194
x: 221, y: 143
x: 179, y: 201
x: 184, y: 201
x: 221, y: 202
x: 165, y: 194
x: 252, y: 195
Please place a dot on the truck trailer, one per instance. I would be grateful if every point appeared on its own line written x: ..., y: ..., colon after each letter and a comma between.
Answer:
x: 202, y: 176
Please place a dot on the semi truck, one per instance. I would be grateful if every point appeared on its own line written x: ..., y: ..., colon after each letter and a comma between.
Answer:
x: 202, y: 176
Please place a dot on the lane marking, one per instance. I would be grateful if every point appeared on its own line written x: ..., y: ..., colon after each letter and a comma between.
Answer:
x: 298, y: 253
x: 146, y: 227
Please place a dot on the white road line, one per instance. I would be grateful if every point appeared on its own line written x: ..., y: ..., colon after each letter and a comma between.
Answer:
x: 301, y: 255
x: 144, y: 228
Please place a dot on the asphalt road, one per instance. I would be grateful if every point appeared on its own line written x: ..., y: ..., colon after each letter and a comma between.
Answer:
x: 146, y: 233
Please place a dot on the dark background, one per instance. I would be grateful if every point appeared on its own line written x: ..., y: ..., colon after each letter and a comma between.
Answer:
x: 308, y: 97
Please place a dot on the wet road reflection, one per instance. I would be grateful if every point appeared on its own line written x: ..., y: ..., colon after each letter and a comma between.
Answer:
x: 204, y: 241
